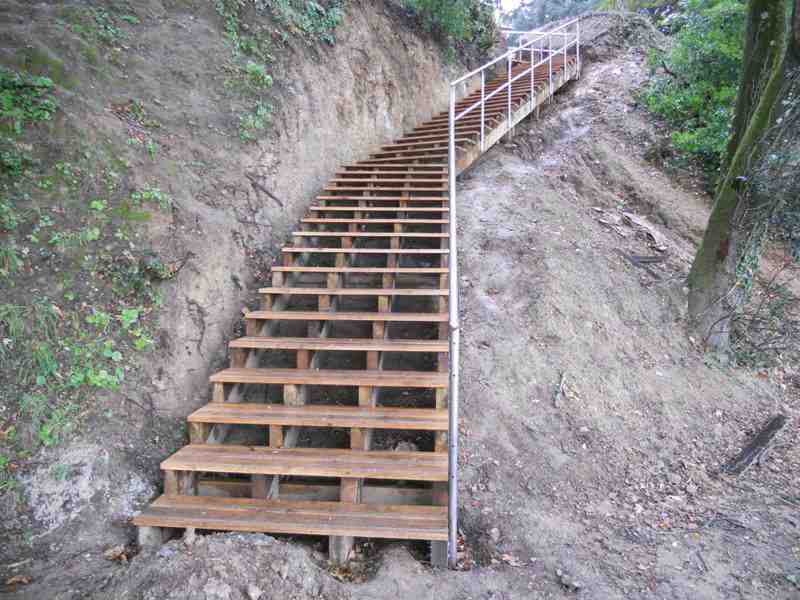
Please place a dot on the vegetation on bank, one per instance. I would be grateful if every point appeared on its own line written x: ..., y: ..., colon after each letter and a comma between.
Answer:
x: 459, y: 24
x: 696, y: 79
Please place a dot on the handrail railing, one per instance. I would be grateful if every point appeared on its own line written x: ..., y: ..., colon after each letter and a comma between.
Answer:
x: 544, y: 55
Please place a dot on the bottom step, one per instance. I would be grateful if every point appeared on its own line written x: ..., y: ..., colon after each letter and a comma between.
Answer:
x: 299, y: 518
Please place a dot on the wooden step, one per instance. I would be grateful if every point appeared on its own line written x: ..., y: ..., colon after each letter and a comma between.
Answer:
x: 312, y: 250
x: 407, y: 197
x: 377, y: 221
x: 379, y: 208
x: 364, y: 270
x: 297, y: 517
x: 428, y: 143
x: 310, y: 462
x: 379, y: 188
x: 325, y: 291
x: 403, y: 159
x: 297, y: 315
x: 367, y: 165
x: 312, y: 415
x: 343, y: 377
x: 405, y: 171
x: 409, y: 154
x: 343, y: 344
x: 369, y: 234
x: 415, y: 177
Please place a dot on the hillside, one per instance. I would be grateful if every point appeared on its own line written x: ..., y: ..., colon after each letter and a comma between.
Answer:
x: 593, y: 427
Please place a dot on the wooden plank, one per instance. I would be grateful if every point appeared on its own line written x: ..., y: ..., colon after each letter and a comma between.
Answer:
x: 363, y: 270
x: 388, y: 188
x: 309, y: 291
x: 314, y: 250
x: 442, y: 197
x: 346, y: 377
x: 373, y: 180
x: 341, y: 344
x: 417, y: 419
x: 311, y: 462
x: 374, y: 221
x: 367, y: 234
x: 299, y: 315
x: 294, y: 517
x: 374, y: 209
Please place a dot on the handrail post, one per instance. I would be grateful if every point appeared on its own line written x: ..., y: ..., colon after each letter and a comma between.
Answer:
x: 550, y: 66
x: 508, y: 119
x: 453, y: 326
x: 483, y: 107
x: 578, y: 48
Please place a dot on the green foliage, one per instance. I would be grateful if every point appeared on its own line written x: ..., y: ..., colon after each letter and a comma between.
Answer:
x: 151, y: 194
x: 257, y: 75
x: 250, y: 124
x: 24, y: 99
x: 10, y: 261
x: 697, y: 92
x: 531, y: 14
x: 457, y: 20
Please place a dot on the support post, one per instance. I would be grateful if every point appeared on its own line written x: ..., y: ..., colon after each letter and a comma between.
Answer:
x: 550, y: 66
x: 578, y: 48
x: 483, y: 108
x: 508, y: 117
x: 452, y: 404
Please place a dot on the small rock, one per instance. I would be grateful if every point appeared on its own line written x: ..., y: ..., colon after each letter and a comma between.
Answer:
x: 253, y: 592
x: 568, y: 581
x: 406, y: 447
x: 189, y: 536
x: 494, y: 533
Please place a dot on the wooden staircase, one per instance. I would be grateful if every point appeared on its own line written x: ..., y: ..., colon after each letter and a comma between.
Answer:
x: 350, y: 337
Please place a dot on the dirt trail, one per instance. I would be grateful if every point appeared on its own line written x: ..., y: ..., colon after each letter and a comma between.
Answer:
x: 592, y: 427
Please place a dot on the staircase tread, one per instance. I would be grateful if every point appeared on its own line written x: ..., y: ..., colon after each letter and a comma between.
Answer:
x: 352, y: 344
x: 312, y: 462
x: 380, y: 208
x: 418, y: 270
x: 292, y: 315
x: 330, y: 291
x: 343, y: 377
x: 312, y: 249
x: 397, y: 198
x: 414, y: 177
x: 297, y: 517
x: 418, y: 419
x: 378, y: 221
x: 369, y: 234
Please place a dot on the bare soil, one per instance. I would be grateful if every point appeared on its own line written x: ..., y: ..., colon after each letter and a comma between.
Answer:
x: 593, y: 428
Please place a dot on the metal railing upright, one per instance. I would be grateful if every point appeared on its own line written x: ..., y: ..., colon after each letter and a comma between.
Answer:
x: 535, y: 45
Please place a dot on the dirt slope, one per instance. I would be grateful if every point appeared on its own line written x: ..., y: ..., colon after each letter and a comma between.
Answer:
x: 592, y: 428
x: 152, y: 95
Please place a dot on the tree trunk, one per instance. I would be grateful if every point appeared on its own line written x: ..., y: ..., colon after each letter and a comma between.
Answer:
x: 716, y: 287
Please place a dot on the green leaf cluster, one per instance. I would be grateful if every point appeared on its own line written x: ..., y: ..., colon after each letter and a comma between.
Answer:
x: 696, y: 93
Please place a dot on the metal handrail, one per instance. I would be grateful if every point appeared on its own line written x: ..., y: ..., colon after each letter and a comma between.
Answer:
x: 545, y: 56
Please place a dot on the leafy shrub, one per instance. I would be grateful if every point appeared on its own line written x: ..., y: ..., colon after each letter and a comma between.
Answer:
x: 457, y: 20
x: 697, y: 92
x: 24, y: 99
